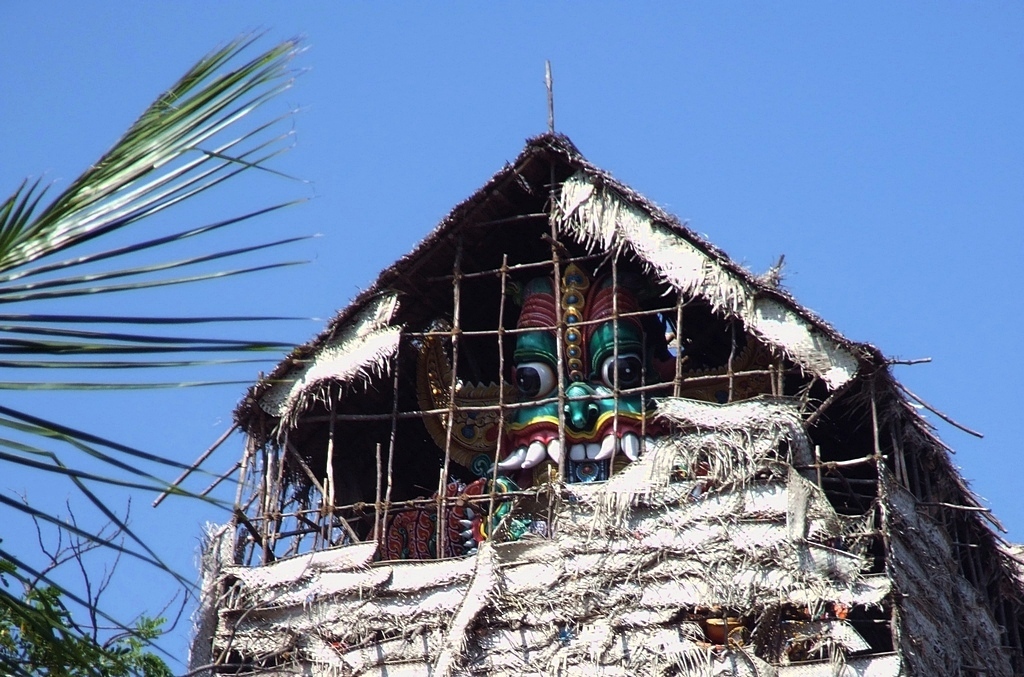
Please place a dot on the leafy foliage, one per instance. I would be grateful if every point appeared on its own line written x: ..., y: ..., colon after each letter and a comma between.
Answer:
x: 193, y: 138
x: 38, y: 636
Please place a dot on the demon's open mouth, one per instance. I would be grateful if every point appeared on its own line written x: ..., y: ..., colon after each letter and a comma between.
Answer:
x: 538, y: 441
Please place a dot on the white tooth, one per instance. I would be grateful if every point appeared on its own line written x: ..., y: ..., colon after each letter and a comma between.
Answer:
x: 535, y: 454
x: 555, y: 450
x: 608, y: 445
x: 577, y: 452
x: 648, y: 444
x: 465, y: 524
x: 593, y: 449
x: 631, y: 446
x: 469, y: 513
x: 514, y: 460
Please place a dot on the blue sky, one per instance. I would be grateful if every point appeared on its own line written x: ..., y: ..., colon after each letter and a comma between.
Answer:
x: 879, y: 147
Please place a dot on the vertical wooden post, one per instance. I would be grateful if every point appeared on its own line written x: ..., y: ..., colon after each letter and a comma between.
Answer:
x: 615, y: 360
x: 501, y: 398
x: 874, y: 425
x: 677, y: 385
x: 265, y: 506
x: 279, y: 495
x: 243, y: 476
x: 732, y: 356
x: 560, y: 328
x: 442, y: 483
x: 883, y: 516
x: 550, y: 85
x: 391, y: 447
x: 327, y: 513
x: 377, y: 499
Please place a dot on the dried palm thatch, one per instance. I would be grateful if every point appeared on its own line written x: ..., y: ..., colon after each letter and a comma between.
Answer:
x: 809, y: 522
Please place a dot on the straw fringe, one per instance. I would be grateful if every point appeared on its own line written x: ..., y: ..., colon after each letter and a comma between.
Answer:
x: 360, y: 351
x: 602, y: 220
x: 603, y: 596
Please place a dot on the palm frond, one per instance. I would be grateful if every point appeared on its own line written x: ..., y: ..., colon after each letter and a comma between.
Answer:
x: 105, y: 385
x: 138, y: 320
x: 120, y: 364
x: 194, y: 138
x: 136, y: 247
x: 39, y: 347
x: 111, y: 194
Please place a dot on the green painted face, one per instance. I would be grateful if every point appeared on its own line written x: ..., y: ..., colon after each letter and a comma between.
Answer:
x: 536, y: 378
x: 598, y: 426
x: 603, y: 364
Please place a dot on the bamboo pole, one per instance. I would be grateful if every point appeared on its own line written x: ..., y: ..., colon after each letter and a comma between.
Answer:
x: 643, y: 398
x: 501, y: 399
x: 421, y: 413
x: 442, y: 483
x: 250, y: 450
x: 677, y: 383
x: 938, y: 413
x: 560, y: 329
x: 519, y: 267
x: 898, y: 460
x: 329, y: 478
x: 265, y: 504
x: 615, y: 362
x: 195, y: 464
x: 972, y: 574
x: 829, y: 401
x: 954, y: 506
x: 839, y: 464
x: 377, y: 498
x: 256, y: 535
x: 874, y: 424
x: 914, y: 465
x: 852, y: 481
x: 290, y: 449
x: 279, y: 494
x: 328, y: 499
x: 732, y: 356
x: 391, y: 447
x: 220, y: 478
x: 493, y: 332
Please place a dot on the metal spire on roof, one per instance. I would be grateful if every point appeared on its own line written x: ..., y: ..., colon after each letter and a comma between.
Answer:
x: 549, y: 83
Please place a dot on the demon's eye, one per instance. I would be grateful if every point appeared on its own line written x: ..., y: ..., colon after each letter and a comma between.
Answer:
x: 629, y: 368
x: 535, y: 379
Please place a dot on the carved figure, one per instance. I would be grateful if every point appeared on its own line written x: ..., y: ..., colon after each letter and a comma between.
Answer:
x: 593, y: 332
x: 600, y: 355
x: 412, y: 534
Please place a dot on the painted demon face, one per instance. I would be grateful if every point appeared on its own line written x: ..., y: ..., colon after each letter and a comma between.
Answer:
x: 602, y: 432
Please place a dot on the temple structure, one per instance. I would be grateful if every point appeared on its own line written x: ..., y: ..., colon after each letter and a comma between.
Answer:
x: 567, y: 436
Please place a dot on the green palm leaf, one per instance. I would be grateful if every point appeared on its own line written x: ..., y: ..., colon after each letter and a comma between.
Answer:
x: 195, y: 137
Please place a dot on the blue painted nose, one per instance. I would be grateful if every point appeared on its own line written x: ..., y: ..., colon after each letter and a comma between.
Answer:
x: 581, y: 414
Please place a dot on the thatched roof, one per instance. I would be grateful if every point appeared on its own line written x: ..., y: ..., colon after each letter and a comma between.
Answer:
x: 361, y: 337
x: 589, y: 195
x: 911, y: 550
